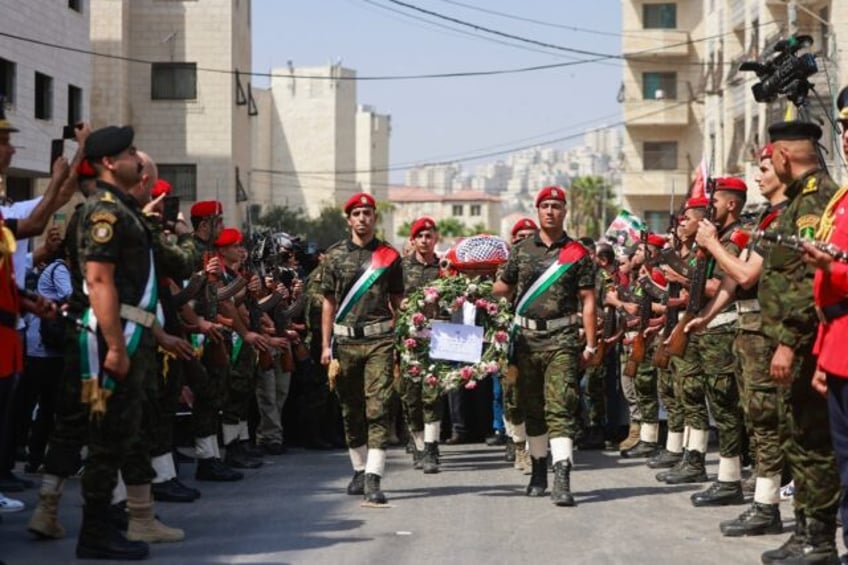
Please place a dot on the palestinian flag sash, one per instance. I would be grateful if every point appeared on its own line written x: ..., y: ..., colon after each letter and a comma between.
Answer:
x: 381, y: 259
x: 97, y: 386
x: 568, y: 256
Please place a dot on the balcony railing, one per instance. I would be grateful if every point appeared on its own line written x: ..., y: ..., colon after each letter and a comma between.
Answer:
x: 656, y: 113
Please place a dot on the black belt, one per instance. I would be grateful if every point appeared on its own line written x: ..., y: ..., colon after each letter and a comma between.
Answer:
x: 8, y: 319
x: 834, y: 311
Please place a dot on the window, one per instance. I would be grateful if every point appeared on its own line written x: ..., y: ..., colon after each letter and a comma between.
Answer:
x: 657, y: 222
x: 173, y: 81
x: 183, y: 179
x: 74, y: 104
x: 656, y: 86
x: 475, y: 209
x: 456, y: 210
x: 659, y: 16
x: 75, y: 5
x: 659, y: 156
x: 43, y: 97
x: 7, y: 80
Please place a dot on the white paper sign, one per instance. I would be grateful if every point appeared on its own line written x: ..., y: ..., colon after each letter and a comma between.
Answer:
x: 456, y: 342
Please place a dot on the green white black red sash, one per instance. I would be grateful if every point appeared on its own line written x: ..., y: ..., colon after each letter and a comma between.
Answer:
x: 97, y: 386
x: 568, y: 256
x: 381, y: 260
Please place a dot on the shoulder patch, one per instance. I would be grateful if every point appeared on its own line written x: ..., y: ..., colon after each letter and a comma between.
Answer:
x: 807, y: 226
x: 740, y: 237
x: 101, y: 232
x: 811, y: 186
x: 103, y: 216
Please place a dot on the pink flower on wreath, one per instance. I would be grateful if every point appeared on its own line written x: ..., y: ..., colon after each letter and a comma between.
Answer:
x: 501, y: 336
x: 431, y: 295
x: 414, y: 370
x: 471, y: 385
x: 481, y: 303
x: 466, y: 373
x: 460, y: 300
x: 419, y: 319
x: 410, y: 343
x: 491, y: 368
x: 492, y: 309
x: 431, y: 380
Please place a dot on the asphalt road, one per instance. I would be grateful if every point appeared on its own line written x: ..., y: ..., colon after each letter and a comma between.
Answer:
x: 294, y: 510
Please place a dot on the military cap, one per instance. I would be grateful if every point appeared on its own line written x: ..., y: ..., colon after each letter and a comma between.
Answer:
x: 795, y: 130
x: 550, y: 193
x: 206, y: 208
x: 697, y: 202
x: 766, y: 152
x: 358, y: 200
x: 85, y: 170
x: 523, y: 224
x: 656, y: 240
x: 732, y: 184
x: 228, y: 236
x: 421, y: 224
x: 161, y: 187
x: 108, y: 141
x: 5, y: 124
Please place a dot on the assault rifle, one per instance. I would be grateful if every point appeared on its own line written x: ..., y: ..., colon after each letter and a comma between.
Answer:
x: 607, y: 331
x: 638, y: 348
x: 217, y: 351
x: 797, y: 244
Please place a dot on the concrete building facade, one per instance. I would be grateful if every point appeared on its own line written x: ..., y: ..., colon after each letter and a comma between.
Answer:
x: 195, y: 123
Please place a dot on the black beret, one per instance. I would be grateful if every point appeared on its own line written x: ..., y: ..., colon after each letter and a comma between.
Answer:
x: 108, y: 141
x: 789, y: 131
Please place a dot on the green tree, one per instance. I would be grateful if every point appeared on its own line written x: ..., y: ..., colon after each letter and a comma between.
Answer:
x: 590, y: 204
x: 451, y: 227
x: 326, y: 229
x: 478, y: 228
x: 404, y: 229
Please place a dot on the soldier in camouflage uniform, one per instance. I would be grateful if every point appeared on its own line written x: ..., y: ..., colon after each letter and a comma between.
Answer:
x: 363, y: 287
x: 759, y: 393
x: 548, y: 274
x: 422, y: 403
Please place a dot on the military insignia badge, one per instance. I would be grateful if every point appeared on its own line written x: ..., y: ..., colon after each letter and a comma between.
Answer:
x: 363, y: 200
x: 107, y: 197
x: 101, y: 232
x: 811, y: 186
x: 807, y: 225
x: 103, y: 216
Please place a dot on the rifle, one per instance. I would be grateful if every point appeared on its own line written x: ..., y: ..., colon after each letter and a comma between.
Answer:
x: 609, y: 326
x: 797, y: 244
x: 217, y: 351
x: 638, y: 348
x: 678, y: 339
x: 254, y: 313
x: 672, y: 313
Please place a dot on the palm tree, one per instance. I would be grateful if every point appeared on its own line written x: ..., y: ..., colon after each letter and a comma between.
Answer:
x: 590, y: 205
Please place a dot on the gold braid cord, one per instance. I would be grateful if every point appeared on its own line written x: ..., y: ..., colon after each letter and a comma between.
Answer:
x: 829, y: 216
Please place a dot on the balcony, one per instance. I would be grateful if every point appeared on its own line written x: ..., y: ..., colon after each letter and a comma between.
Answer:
x: 655, y: 183
x: 642, y: 113
x: 655, y: 43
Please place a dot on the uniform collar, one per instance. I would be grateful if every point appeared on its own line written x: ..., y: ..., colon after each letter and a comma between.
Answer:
x: 370, y: 246
x: 118, y: 193
x: 556, y: 244
x: 795, y: 188
x: 433, y: 263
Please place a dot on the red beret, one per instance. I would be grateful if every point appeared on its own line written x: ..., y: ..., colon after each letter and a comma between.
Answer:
x: 766, y: 152
x: 523, y: 224
x: 161, y: 187
x: 550, y: 193
x: 359, y: 199
x: 206, y: 208
x: 85, y: 170
x: 733, y: 184
x: 421, y: 224
x: 697, y: 202
x: 656, y: 240
x: 228, y: 236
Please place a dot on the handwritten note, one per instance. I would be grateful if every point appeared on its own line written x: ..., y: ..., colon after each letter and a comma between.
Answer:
x: 456, y: 342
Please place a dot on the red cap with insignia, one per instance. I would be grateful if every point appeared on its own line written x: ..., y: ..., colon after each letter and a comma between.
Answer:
x: 550, y: 193
x: 523, y: 224
x: 85, y: 170
x: 697, y: 202
x: 228, y: 236
x: 732, y: 184
x: 359, y: 200
x: 421, y: 224
x: 161, y: 187
x: 656, y: 240
x: 206, y: 208
x: 766, y: 152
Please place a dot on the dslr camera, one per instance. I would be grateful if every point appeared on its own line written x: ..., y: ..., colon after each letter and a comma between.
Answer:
x: 786, y: 73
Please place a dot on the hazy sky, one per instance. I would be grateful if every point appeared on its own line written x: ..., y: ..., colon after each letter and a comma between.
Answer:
x: 438, y: 119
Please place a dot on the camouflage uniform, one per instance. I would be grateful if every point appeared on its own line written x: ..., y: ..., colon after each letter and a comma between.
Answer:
x: 789, y: 317
x: 111, y: 230
x: 421, y: 402
x: 595, y: 377
x: 241, y: 377
x: 364, y: 383
x: 548, y: 361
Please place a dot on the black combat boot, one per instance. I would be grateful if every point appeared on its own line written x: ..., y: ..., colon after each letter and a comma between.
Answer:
x: 118, y: 515
x: 692, y: 470
x: 641, y: 449
x: 417, y: 456
x: 819, y: 547
x: 252, y: 451
x: 356, y: 486
x: 593, y: 439
x: 509, y: 454
x: 561, y: 493
x: 213, y: 469
x: 237, y: 458
x: 792, y: 547
x: 430, y: 458
x: 758, y: 520
x: 373, y: 494
x: 172, y: 491
x: 99, y: 539
x: 665, y: 459
x: 677, y: 466
x: 720, y: 493
x: 538, y: 477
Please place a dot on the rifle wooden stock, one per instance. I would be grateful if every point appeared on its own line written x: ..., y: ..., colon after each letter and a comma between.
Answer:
x: 598, y: 358
x: 679, y: 339
x: 661, y: 357
x: 630, y: 368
